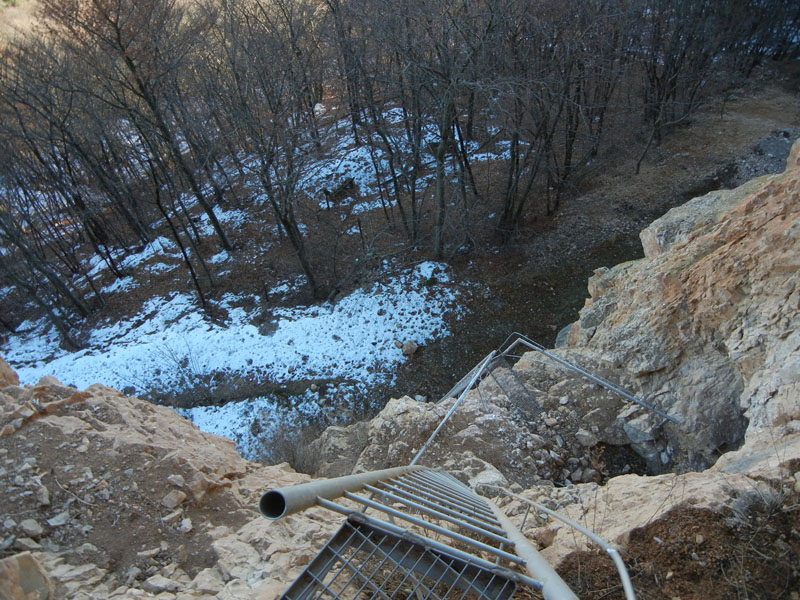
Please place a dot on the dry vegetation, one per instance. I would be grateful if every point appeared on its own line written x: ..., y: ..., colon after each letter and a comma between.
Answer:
x: 16, y: 16
x: 748, y: 552
x: 124, y: 121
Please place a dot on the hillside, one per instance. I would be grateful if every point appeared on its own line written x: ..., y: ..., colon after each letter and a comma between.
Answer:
x: 258, y: 355
x: 112, y: 497
x: 275, y: 214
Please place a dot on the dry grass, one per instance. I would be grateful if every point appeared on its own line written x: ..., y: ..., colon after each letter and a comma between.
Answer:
x: 16, y: 15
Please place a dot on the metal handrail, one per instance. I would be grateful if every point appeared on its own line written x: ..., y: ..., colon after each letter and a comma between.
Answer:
x: 526, y: 341
x: 627, y: 585
x: 478, y: 371
x: 445, y: 499
x: 541, y: 576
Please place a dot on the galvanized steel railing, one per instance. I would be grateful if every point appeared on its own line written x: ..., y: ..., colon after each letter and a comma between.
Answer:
x: 443, y: 523
x: 451, y: 541
x: 522, y: 340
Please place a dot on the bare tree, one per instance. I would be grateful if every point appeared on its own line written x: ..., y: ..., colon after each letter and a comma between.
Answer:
x: 135, y: 52
x: 267, y: 92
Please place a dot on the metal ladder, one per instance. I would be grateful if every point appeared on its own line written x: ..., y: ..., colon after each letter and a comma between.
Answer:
x: 452, y: 543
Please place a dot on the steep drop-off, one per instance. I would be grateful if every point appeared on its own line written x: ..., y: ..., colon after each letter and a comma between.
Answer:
x: 111, y: 497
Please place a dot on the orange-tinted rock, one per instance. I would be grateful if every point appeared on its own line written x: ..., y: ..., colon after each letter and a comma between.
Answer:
x: 7, y: 375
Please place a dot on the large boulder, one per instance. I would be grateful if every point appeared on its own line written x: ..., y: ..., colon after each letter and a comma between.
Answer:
x: 7, y: 375
x: 23, y: 578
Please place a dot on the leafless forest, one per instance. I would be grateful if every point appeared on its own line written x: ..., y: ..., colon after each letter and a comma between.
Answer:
x: 122, y: 120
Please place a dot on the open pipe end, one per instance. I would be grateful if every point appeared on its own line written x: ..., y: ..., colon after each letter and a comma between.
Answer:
x: 272, y: 504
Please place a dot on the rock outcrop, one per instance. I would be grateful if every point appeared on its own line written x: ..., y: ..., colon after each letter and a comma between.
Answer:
x: 113, y: 497
x: 536, y: 432
x: 763, y: 467
x: 707, y: 324
x: 7, y: 375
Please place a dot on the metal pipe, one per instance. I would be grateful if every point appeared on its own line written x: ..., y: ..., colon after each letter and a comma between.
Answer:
x: 470, y: 499
x: 553, y: 587
x: 627, y: 586
x: 275, y: 504
x: 453, y: 408
x: 480, y: 510
x: 456, y: 390
x: 452, y: 483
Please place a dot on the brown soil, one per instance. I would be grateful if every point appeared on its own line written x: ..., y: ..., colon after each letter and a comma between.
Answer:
x: 752, y: 551
x: 106, y: 505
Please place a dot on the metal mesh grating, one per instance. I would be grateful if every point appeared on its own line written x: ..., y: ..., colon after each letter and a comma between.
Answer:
x: 364, y: 561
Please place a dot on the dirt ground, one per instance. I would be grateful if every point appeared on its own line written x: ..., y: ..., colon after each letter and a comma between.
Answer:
x: 750, y: 552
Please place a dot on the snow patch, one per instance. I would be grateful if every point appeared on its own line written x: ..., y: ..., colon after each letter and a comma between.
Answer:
x: 170, y: 345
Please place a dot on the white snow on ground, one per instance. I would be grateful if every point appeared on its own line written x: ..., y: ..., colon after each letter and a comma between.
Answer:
x: 160, y: 268
x: 120, y: 285
x: 160, y: 246
x: 348, y: 160
x: 220, y: 257
x: 288, y: 286
x: 169, y: 345
x: 234, y: 421
x: 231, y: 218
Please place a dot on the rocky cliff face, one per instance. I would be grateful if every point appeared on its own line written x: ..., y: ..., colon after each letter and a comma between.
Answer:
x: 707, y: 323
x: 705, y: 328
x: 111, y: 497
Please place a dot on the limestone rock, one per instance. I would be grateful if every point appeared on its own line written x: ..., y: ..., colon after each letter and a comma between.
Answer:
x: 680, y: 222
x: 158, y: 583
x: 488, y: 479
x: 710, y: 325
x: 208, y: 581
x: 338, y: 449
x: 7, y: 375
x: 485, y: 426
x: 235, y: 558
x: 630, y: 501
x: 409, y: 348
x: 23, y: 578
x: 31, y: 528
x: 173, y: 499
x: 585, y: 438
